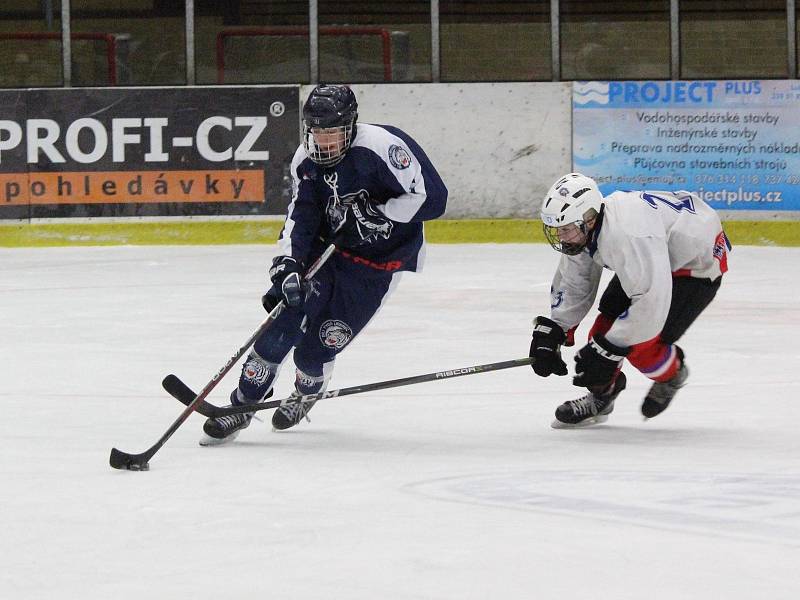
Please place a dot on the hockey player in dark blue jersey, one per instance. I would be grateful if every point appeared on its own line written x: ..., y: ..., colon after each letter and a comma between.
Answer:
x: 367, y: 187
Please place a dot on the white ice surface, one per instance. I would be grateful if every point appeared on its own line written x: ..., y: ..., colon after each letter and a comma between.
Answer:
x: 450, y: 490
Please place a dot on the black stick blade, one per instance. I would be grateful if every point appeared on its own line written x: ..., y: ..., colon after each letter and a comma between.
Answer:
x: 131, y: 462
x: 185, y: 395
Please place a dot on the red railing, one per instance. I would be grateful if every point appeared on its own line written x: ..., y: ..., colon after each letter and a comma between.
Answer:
x: 108, y: 38
x: 386, y: 41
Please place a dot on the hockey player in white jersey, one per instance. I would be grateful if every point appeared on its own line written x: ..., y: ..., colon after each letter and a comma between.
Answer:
x: 668, y: 253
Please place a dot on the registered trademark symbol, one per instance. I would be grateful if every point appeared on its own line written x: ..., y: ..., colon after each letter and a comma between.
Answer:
x: 277, y: 109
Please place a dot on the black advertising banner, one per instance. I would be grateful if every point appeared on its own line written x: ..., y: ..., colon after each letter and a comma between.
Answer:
x: 147, y: 152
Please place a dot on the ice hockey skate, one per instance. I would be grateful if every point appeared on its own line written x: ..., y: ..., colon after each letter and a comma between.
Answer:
x: 662, y: 393
x: 222, y: 430
x: 590, y: 409
x: 290, y: 415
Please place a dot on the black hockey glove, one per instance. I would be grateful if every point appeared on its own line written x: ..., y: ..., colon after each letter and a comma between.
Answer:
x: 287, y: 282
x: 546, y: 348
x: 597, y: 363
x: 270, y: 299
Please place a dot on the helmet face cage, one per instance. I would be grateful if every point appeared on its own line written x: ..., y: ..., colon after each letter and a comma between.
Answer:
x: 572, y: 246
x: 326, y: 146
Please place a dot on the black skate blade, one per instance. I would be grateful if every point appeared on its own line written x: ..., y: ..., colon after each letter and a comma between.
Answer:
x: 128, y: 462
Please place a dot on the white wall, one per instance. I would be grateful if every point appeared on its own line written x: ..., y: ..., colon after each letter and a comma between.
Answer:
x: 498, y: 146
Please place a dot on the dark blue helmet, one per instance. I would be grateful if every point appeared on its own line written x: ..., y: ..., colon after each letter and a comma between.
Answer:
x: 329, y: 123
x: 330, y: 106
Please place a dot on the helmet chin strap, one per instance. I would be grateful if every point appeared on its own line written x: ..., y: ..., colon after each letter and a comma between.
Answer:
x: 586, y: 228
x: 571, y: 249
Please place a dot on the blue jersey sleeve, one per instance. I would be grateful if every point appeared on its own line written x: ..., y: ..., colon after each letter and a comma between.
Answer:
x: 304, y: 217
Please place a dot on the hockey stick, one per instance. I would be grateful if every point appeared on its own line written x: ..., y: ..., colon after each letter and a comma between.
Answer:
x: 183, y: 393
x: 140, y: 462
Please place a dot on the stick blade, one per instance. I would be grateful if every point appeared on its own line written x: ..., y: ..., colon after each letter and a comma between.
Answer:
x: 130, y: 462
x: 177, y: 389
x: 186, y: 396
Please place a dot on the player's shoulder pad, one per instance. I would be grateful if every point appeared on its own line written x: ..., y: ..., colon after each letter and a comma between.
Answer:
x: 628, y: 216
x: 298, y: 159
x: 389, y: 147
x: 618, y: 196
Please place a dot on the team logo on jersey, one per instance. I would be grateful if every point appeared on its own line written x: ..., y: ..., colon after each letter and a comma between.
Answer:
x: 721, y: 247
x: 335, y: 334
x: 369, y: 222
x: 556, y: 298
x: 255, y: 371
x: 399, y: 157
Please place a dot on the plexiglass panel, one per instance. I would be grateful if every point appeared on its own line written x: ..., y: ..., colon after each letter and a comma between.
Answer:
x: 30, y: 44
x: 128, y: 42
x: 264, y: 41
x: 375, y: 41
x: 495, y: 41
x: 728, y: 39
x: 615, y: 40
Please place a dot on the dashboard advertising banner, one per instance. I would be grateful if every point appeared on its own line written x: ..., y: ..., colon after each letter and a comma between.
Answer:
x: 736, y: 144
x: 146, y: 152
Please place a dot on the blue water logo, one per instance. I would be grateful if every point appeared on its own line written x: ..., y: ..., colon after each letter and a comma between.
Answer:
x: 590, y: 92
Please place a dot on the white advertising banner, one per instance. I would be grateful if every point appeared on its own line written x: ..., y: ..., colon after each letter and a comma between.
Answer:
x: 734, y: 143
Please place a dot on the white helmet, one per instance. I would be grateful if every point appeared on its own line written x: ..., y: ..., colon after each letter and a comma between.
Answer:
x: 567, y: 203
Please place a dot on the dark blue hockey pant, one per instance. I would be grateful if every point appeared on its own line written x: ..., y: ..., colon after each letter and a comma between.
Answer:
x: 338, y: 306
